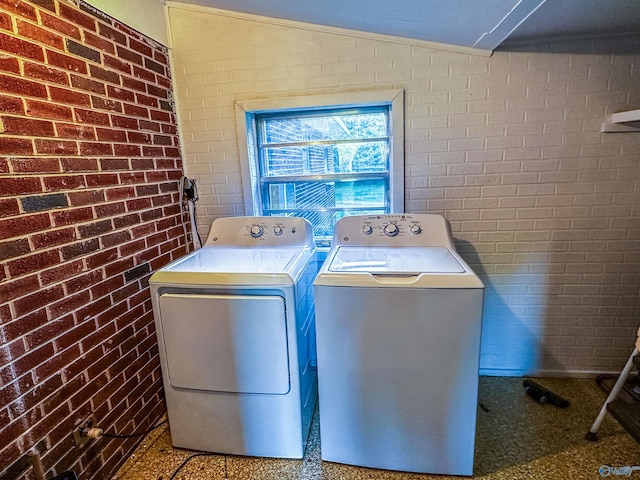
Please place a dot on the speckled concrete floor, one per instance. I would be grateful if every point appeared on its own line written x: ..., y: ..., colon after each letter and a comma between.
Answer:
x: 517, y: 438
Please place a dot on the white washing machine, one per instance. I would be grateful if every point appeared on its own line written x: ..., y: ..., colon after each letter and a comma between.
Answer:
x: 398, y: 320
x: 235, y: 328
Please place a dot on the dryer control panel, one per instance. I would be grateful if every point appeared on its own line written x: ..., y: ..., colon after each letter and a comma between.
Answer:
x: 393, y: 230
x: 261, y: 232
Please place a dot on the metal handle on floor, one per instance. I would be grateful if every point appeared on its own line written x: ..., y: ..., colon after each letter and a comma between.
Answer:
x: 593, y: 433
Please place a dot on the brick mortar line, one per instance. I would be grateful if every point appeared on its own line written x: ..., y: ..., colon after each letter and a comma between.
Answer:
x: 104, y: 157
x: 75, y: 107
x: 90, y: 173
x: 88, y: 93
x: 144, y: 338
x: 95, y: 155
x: 84, y: 352
x: 102, y: 65
x: 10, y: 279
x: 104, y: 188
x: 131, y: 76
x: 139, y: 37
x: 153, y: 385
x: 62, y: 283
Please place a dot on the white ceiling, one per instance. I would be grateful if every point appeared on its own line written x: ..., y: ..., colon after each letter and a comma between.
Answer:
x: 483, y: 24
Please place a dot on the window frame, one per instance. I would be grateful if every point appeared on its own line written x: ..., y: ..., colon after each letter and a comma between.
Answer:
x: 247, y: 110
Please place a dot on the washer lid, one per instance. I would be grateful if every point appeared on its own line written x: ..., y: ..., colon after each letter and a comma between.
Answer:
x: 395, y: 260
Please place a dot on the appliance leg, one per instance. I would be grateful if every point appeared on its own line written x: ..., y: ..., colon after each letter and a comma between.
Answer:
x: 593, y: 433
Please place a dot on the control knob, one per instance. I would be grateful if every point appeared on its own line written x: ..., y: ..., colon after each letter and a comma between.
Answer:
x: 416, y: 229
x: 256, y: 231
x: 391, y: 230
x: 277, y: 230
x: 367, y: 229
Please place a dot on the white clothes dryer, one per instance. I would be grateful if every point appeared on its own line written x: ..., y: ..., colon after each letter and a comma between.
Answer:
x: 235, y: 328
x: 398, y: 320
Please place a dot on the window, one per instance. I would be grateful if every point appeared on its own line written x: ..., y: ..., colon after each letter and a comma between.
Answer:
x: 324, y: 159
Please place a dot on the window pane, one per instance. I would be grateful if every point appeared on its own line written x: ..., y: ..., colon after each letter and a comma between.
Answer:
x: 360, y: 157
x: 325, y: 127
x: 308, y: 160
x: 326, y: 195
x: 361, y: 194
x: 299, y: 195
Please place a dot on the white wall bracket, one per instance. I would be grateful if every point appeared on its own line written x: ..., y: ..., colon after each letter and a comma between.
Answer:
x: 628, y: 121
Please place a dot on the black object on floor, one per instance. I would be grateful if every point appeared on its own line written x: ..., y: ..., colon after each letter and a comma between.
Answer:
x: 630, y: 392
x: 66, y: 476
x: 543, y: 395
x: 628, y: 415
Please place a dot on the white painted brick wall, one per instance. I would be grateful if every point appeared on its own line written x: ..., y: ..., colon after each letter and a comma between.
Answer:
x: 544, y: 207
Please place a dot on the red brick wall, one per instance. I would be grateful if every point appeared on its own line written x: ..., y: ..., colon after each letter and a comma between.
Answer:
x: 89, y: 170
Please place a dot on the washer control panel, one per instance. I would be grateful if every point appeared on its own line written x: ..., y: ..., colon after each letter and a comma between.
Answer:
x: 390, y: 226
x: 260, y: 231
x: 392, y: 230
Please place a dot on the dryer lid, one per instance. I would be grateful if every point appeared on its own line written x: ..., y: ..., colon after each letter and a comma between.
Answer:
x: 239, y: 260
x: 395, y: 260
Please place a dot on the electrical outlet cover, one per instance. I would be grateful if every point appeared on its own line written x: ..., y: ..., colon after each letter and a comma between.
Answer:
x: 79, y: 439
